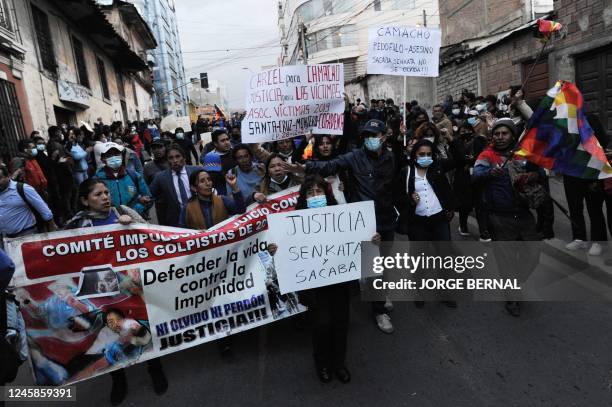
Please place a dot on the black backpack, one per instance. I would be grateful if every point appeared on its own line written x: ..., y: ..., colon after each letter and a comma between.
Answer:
x: 41, y: 224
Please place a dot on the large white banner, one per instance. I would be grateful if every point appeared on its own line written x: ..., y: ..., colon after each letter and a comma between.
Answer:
x: 290, y: 101
x: 98, y: 299
x: 404, y: 51
x: 322, y: 246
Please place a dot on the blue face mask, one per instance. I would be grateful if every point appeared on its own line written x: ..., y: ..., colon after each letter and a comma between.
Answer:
x: 472, y: 121
x: 34, y: 152
x: 180, y: 136
x: 114, y: 162
x: 424, y: 162
x: 318, y: 201
x: 372, y: 143
x: 40, y: 147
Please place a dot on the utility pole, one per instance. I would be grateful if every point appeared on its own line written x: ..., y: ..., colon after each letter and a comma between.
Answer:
x: 424, y: 18
x: 302, y: 41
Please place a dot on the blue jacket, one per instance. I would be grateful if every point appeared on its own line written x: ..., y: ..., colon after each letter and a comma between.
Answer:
x: 80, y: 157
x: 7, y: 268
x: 127, y: 189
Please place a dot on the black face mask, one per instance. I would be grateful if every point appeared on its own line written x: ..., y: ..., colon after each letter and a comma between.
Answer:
x: 467, y: 136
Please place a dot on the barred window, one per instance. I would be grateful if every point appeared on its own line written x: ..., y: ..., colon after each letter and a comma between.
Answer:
x: 103, y: 81
x: 43, y: 37
x: 79, y: 57
x: 5, y: 19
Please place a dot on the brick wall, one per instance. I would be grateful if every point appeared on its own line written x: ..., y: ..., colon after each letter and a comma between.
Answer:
x: 456, y: 77
x: 461, y: 19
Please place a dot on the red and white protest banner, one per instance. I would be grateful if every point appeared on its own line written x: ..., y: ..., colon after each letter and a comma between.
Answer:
x: 98, y: 299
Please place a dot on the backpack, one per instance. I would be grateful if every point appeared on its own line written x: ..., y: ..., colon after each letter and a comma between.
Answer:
x: 41, y: 224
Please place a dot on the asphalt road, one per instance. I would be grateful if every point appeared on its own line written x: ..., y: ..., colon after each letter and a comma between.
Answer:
x: 555, y: 354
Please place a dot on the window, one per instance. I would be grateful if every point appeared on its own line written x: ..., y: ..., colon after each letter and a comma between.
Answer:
x: 120, y: 85
x: 376, y: 5
x: 5, y: 20
x: 43, y: 37
x: 333, y: 37
x: 79, y: 57
x: 134, y: 92
x: 103, y: 81
x: 404, y: 4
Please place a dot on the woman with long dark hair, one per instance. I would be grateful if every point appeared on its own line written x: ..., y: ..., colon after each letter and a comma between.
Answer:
x: 324, y: 149
x: 276, y: 178
x: 95, y: 209
x: 329, y: 305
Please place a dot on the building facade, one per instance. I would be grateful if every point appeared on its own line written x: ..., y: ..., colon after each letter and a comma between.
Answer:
x: 76, y: 66
x: 15, y: 116
x: 337, y: 31
x: 580, y: 53
x: 171, y: 96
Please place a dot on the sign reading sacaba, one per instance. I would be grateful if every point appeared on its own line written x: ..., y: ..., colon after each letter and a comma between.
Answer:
x: 322, y: 246
x: 290, y: 101
x: 404, y: 51
x: 98, y: 299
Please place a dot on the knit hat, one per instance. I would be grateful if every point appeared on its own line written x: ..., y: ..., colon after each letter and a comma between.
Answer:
x: 506, y: 122
x: 212, y: 162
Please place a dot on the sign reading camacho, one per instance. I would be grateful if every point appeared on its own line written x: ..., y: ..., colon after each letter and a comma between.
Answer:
x: 404, y: 51
x: 290, y: 101
x: 98, y: 299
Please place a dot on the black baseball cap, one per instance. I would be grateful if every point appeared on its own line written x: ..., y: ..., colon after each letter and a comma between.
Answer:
x: 374, y: 126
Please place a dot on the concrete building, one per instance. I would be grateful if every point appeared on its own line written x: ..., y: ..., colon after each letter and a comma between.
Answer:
x: 71, y: 64
x: 337, y: 31
x: 461, y: 19
x: 581, y: 53
x: 171, y: 96
x: 216, y: 94
x: 476, y: 27
x: 15, y: 116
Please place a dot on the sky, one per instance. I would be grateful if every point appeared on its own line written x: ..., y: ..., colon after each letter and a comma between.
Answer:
x: 206, y: 25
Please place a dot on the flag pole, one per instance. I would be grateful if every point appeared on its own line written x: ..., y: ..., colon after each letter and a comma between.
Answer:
x: 535, y: 62
x: 405, y: 103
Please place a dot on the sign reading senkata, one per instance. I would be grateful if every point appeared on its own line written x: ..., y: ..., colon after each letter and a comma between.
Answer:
x: 290, y: 101
x: 404, y: 51
x: 322, y: 246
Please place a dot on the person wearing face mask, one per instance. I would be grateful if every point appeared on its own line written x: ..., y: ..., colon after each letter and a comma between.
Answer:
x: 30, y: 173
x: 157, y: 164
x: 277, y: 178
x: 370, y: 170
x: 480, y: 126
x: 328, y: 306
x: 127, y: 187
x: 186, y: 144
x: 424, y: 197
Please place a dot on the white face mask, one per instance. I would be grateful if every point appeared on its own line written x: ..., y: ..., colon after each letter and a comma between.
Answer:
x: 430, y: 139
x: 456, y: 112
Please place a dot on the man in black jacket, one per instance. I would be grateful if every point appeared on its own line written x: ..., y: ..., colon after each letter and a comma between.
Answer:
x: 371, y: 171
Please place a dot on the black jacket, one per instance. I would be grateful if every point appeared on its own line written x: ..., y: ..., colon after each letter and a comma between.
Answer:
x: 406, y: 207
x: 369, y: 179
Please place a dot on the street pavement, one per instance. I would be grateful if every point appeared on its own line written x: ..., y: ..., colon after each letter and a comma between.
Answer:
x: 554, y: 354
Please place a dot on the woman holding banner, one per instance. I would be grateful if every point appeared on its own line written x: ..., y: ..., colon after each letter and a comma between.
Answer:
x: 96, y: 210
x: 329, y: 305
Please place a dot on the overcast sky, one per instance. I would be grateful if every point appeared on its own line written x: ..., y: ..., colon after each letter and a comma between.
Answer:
x: 228, y: 24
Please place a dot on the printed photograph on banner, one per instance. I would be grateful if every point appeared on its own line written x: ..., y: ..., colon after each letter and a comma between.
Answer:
x: 290, y: 101
x: 72, y: 338
x: 404, y: 51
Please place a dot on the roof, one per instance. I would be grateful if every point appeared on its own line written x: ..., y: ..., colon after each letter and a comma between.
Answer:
x: 470, y: 47
x: 130, y: 12
x: 88, y: 17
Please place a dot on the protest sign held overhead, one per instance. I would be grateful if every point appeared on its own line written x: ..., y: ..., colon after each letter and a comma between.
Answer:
x: 322, y: 246
x: 111, y: 296
x: 404, y: 51
x: 290, y: 101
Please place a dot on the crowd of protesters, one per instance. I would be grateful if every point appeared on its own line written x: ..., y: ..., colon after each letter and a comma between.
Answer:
x: 456, y: 158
